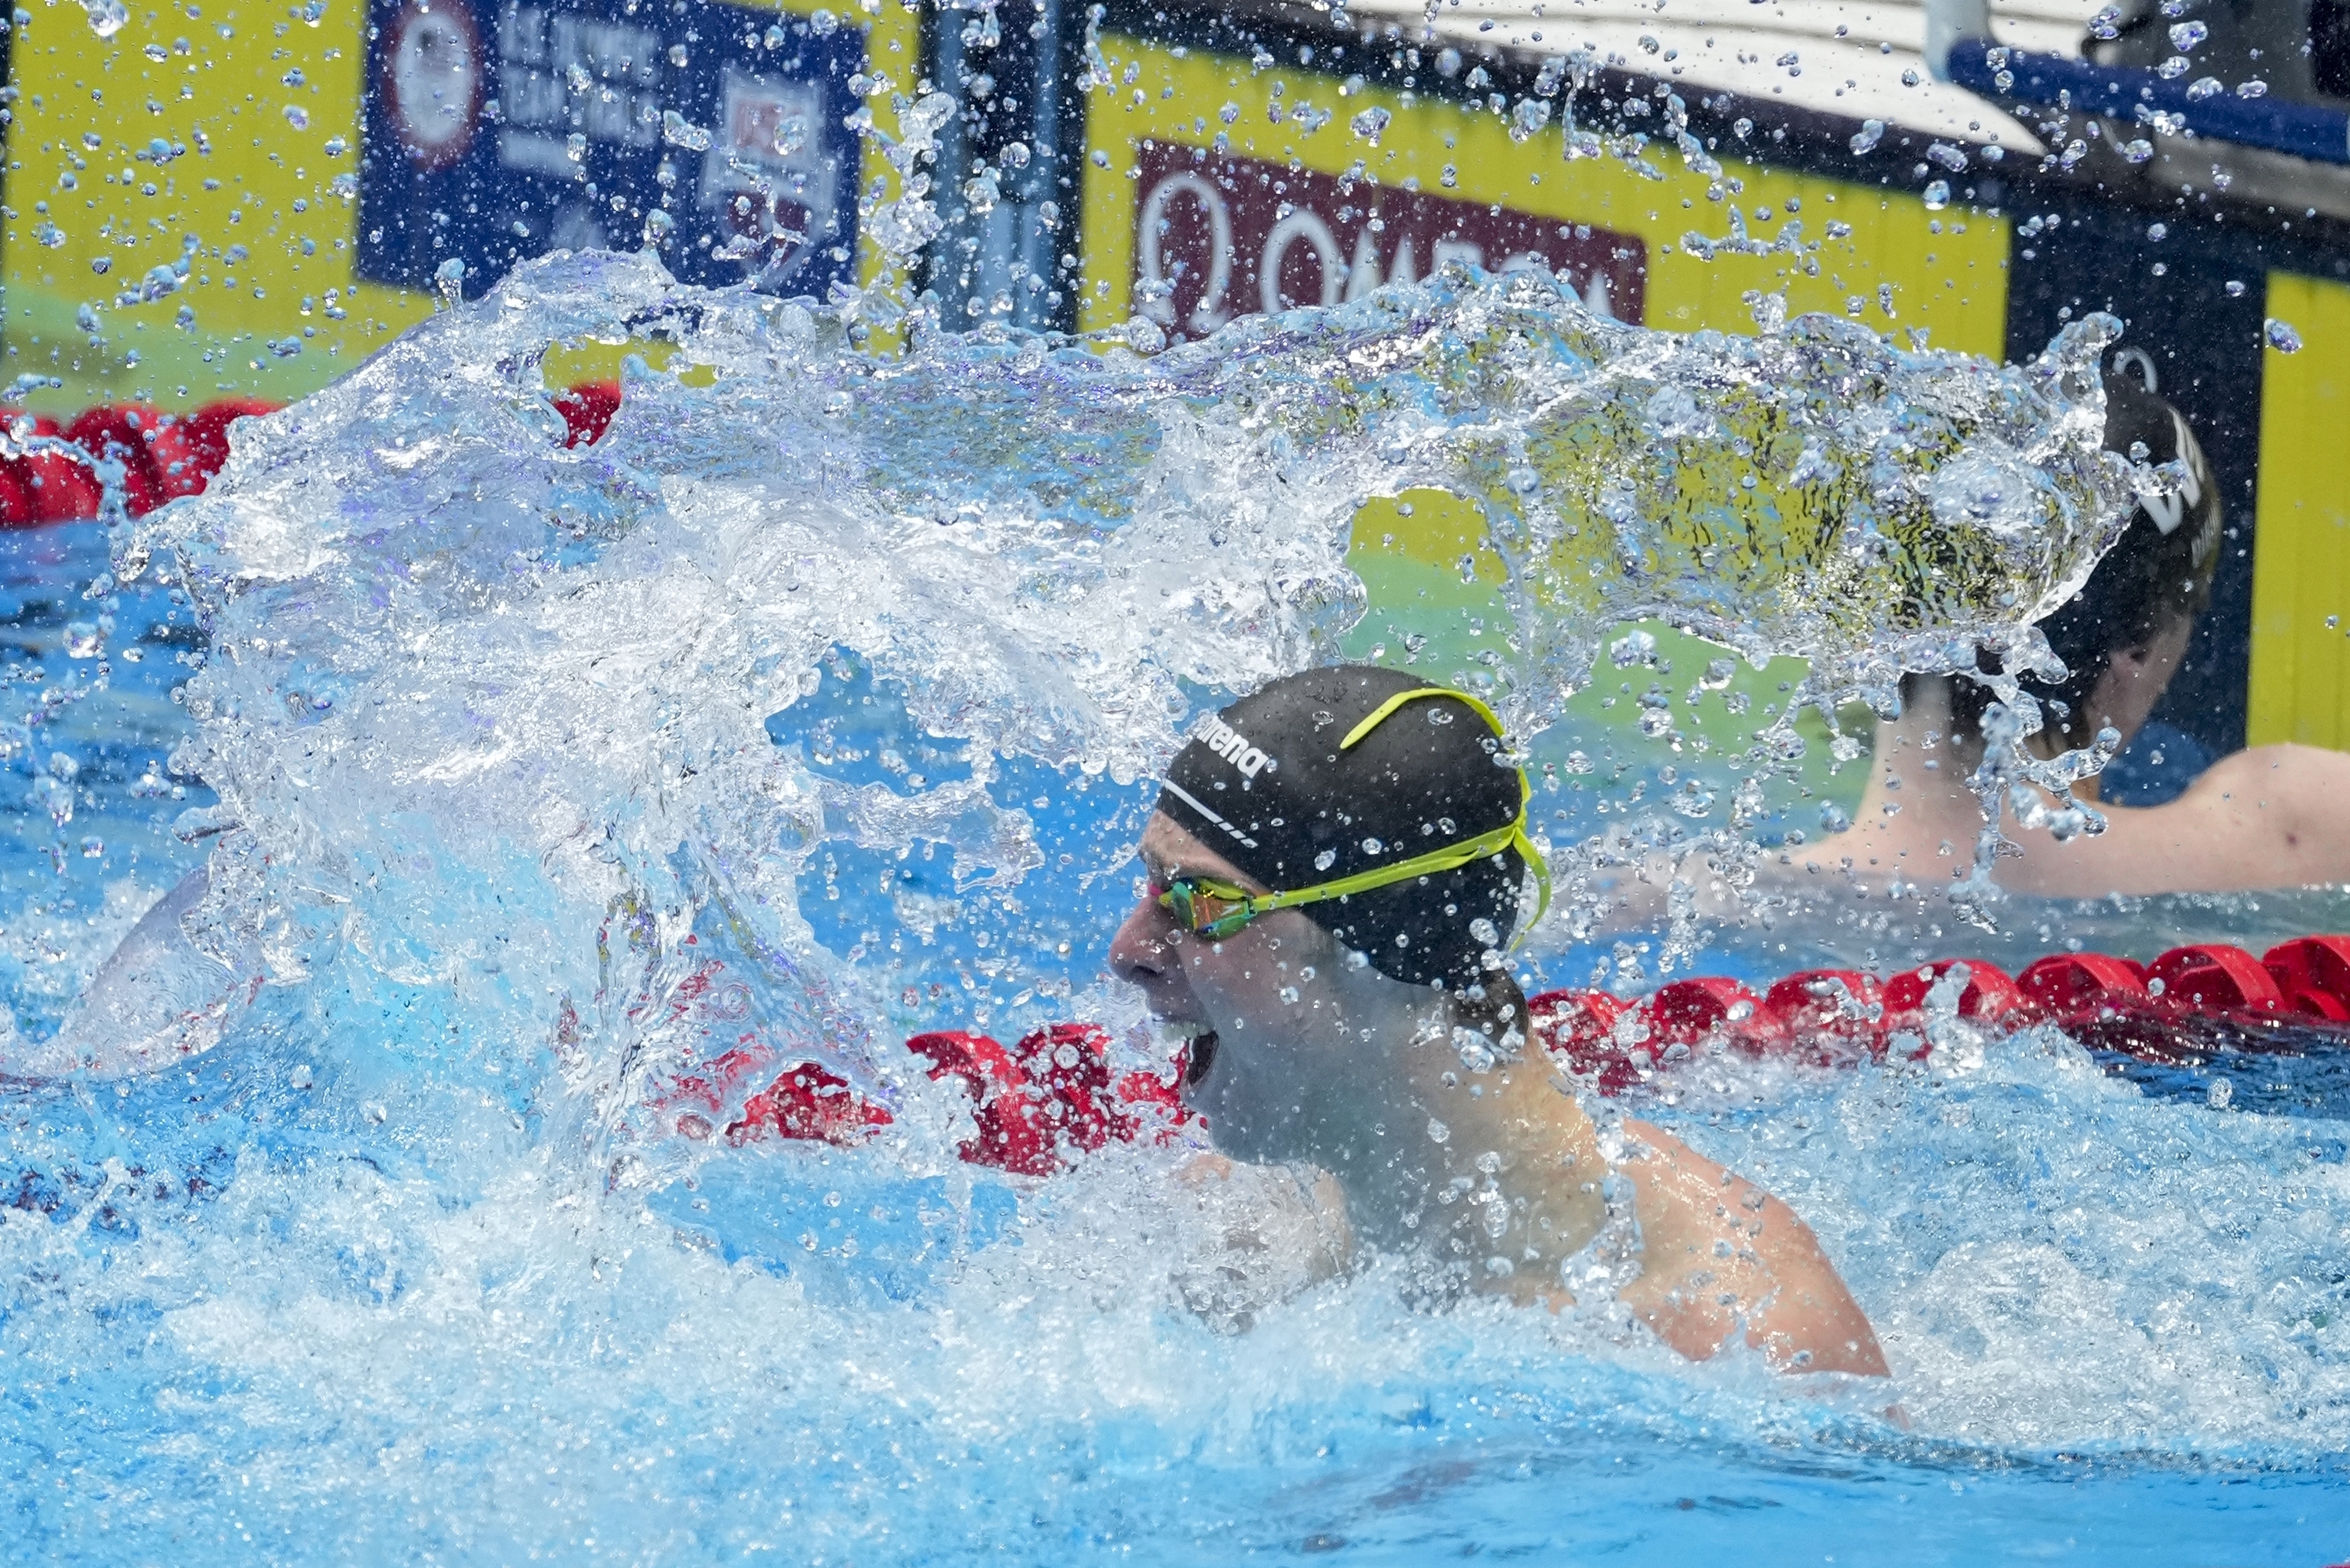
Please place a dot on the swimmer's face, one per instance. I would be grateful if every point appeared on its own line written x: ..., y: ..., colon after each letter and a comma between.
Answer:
x: 1256, y: 1004
x: 2135, y: 678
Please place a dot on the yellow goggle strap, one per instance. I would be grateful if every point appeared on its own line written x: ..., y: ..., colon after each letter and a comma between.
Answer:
x: 1514, y: 835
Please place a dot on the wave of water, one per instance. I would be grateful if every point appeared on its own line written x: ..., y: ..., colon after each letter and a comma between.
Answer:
x: 820, y: 699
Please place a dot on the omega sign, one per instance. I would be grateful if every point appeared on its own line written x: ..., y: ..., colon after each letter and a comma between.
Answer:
x: 1220, y: 236
x: 432, y: 79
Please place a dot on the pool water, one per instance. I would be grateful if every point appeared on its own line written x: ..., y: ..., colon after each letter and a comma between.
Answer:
x: 790, y: 708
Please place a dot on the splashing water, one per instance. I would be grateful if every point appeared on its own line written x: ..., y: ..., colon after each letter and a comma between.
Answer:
x: 819, y: 703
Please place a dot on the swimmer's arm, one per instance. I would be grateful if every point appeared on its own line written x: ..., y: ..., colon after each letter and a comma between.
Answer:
x: 2283, y: 817
x: 2274, y: 817
x: 1706, y: 1234
x: 1638, y: 896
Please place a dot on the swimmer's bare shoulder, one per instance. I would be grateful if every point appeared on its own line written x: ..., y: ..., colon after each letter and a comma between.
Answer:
x: 1716, y: 1247
x: 2272, y: 816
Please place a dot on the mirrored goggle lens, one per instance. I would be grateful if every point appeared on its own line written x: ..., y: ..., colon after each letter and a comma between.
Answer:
x: 1204, y: 913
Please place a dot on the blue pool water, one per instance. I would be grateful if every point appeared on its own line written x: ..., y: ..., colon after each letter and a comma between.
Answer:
x: 791, y: 676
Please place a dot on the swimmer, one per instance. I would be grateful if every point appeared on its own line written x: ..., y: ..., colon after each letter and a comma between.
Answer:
x: 2268, y: 817
x: 1336, y: 865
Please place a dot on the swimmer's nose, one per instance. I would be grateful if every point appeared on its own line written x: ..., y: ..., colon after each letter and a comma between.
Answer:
x: 1143, y: 950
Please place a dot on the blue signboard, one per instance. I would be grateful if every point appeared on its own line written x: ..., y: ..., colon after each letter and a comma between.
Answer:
x: 496, y: 131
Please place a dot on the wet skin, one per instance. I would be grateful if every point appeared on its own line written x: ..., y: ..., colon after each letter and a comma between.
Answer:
x: 1304, y: 1058
x: 2270, y: 816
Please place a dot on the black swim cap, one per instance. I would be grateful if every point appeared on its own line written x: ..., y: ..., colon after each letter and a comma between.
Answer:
x: 2157, y: 571
x: 1267, y: 784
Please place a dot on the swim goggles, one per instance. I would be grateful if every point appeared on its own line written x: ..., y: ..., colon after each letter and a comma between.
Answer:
x: 1214, y: 909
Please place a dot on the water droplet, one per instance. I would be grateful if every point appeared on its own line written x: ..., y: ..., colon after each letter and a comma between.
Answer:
x: 2185, y: 35
x: 1372, y: 846
x: 2252, y: 88
x: 1289, y: 994
x: 1673, y: 414
x: 82, y: 640
x: 105, y: 16
x: 1938, y: 195
x: 679, y: 131
x: 1145, y: 335
x: 824, y: 24
x: 2138, y: 150
x: 55, y: 795
x: 2235, y: 289
x: 2281, y: 337
x: 1323, y: 861
x: 1438, y: 1132
x: 1870, y: 134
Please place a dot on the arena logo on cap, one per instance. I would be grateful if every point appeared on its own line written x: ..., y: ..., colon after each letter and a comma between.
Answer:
x: 1233, y: 747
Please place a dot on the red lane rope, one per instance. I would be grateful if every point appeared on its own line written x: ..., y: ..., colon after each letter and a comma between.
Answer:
x: 2174, y: 1009
x: 1042, y: 1102
x: 166, y: 455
